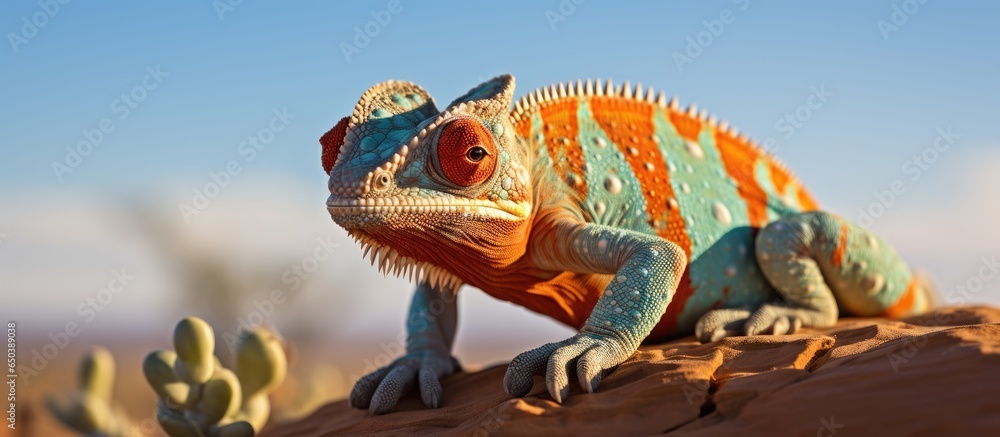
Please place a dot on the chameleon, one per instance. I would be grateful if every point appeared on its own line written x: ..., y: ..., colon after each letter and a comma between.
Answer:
x: 607, y: 208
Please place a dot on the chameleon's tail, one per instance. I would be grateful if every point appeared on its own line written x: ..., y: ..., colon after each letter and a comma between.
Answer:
x: 928, y: 289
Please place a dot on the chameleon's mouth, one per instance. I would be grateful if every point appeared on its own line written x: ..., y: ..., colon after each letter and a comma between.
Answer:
x: 377, y: 206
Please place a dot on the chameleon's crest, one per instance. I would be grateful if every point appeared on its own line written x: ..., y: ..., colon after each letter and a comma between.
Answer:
x: 490, y: 99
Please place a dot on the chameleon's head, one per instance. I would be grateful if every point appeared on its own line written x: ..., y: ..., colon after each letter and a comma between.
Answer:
x: 426, y: 188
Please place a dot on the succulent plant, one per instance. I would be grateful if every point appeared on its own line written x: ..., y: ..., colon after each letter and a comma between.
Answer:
x: 91, y: 411
x: 200, y: 397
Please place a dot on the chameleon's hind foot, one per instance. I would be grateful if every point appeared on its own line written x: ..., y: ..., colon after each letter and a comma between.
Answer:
x: 717, y: 324
x: 781, y: 318
x: 773, y: 318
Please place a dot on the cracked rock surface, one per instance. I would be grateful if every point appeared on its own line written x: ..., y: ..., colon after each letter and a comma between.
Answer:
x: 934, y: 374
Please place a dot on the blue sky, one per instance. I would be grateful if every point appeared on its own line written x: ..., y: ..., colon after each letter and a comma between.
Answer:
x: 223, y: 78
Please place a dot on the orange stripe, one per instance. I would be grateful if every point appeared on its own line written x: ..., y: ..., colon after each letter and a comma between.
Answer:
x: 561, y: 131
x: 739, y: 158
x: 904, y: 305
x: 779, y: 177
x: 688, y: 127
x: 806, y: 200
x: 629, y: 124
x: 838, y: 254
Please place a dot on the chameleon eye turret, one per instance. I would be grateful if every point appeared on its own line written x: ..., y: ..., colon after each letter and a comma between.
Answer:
x: 466, y: 153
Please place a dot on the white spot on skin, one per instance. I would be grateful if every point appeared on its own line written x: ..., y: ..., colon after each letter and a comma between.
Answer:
x: 633, y: 151
x: 730, y: 271
x: 655, y: 138
x: 721, y: 213
x: 602, y: 244
x: 694, y: 149
x: 609, y: 293
x: 614, y: 302
x: 599, y: 142
x: 672, y: 203
x: 599, y: 208
x: 873, y: 284
x: 873, y: 242
x: 648, y: 166
x: 621, y: 278
x: 685, y: 187
x: 506, y: 183
x: 644, y: 272
x: 612, y: 184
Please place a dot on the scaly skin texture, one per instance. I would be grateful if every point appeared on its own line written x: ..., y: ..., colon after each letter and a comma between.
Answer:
x: 606, y: 208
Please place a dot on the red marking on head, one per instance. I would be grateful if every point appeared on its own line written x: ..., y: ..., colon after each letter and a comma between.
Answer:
x: 561, y: 134
x: 331, y: 142
x: 466, y: 152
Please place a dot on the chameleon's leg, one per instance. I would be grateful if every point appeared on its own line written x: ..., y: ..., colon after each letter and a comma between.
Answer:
x: 816, y: 260
x: 647, y: 270
x: 430, y: 329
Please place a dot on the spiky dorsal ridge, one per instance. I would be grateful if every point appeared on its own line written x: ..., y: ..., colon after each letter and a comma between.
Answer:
x: 530, y: 102
x: 391, y: 262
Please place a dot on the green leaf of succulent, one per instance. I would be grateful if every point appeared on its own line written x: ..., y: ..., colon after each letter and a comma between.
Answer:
x: 194, y: 343
x: 255, y: 410
x: 158, y: 367
x: 235, y: 429
x: 260, y: 362
x: 97, y: 373
x: 220, y: 397
x: 175, y: 424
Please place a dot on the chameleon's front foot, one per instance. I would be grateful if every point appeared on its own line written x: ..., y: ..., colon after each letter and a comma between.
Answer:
x: 380, y: 390
x: 589, y: 353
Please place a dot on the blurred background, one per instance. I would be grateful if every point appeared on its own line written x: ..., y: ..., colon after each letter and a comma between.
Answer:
x: 161, y: 160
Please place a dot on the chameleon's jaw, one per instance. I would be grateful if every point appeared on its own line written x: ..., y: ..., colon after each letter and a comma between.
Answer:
x: 367, y: 208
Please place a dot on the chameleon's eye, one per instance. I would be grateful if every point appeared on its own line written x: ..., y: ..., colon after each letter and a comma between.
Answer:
x: 466, y: 152
x: 476, y: 154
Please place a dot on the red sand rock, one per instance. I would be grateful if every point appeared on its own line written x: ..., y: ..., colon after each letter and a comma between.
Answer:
x: 935, y: 374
